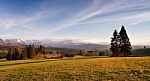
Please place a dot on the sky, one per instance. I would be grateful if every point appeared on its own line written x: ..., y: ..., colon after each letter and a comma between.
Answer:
x: 87, y: 20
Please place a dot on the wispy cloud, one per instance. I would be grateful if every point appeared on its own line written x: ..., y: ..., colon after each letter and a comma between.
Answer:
x: 7, y: 23
x: 130, y: 18
x: 98, y: 7
x: 91, y: 11
x: 27, y: 21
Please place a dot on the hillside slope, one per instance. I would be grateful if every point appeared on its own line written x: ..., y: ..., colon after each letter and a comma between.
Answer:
x: 143, y: 52
x: 85, y: 69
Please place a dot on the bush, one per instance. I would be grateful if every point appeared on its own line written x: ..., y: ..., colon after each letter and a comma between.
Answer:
x: 69, y: 55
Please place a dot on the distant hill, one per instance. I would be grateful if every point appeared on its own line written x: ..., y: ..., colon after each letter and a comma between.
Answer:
x: 87, y: 46
x: 139, y: 46
x: 94, y: 46
x: 61, y: 43
x: 143, y: 52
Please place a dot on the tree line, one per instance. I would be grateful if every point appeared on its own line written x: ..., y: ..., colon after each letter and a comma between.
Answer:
x: 16, y: 53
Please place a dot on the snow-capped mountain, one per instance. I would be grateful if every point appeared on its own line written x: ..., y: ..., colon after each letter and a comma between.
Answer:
x: 48, y: 41
x: 69, y: 43
x: 56, y: 42
x: 13, y: 41
x: 10, y: 42
x: 60, y: 43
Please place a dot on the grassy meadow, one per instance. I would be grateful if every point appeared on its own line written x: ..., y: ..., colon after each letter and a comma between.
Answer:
x: 77, y: 69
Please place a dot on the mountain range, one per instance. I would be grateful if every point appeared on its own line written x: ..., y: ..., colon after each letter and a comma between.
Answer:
x: 62, y: 43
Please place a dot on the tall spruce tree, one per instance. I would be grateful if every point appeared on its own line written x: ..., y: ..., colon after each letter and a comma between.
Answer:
x: 33, y: 49
x: 9, y: 55
x: 16, y: 52
x: 24, y: 54
x: 125, y: 45
x: 29, y: 51
x: 115, y: 44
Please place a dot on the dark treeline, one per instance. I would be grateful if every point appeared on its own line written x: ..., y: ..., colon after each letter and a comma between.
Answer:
x: 32, y: 51
x: 29, y: 52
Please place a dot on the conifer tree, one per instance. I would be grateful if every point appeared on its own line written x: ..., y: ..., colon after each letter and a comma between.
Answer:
x: 29, y: 51
x: 80, y: 52
x: 115, y: 44
x: 9, y: 54
x: 13, y: 54
x: 16, y: 53
x: 125, y: 45
x: 33, y: 49
x: 24, y: 54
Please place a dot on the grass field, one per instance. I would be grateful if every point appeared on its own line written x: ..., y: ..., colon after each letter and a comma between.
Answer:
x: 83, y: 69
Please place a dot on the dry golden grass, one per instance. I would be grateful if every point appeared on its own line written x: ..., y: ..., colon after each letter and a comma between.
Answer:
x: 83, y: 69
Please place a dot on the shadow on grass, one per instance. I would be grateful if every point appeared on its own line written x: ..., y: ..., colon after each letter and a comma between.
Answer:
x: 27, y: 62
x: 68, y: 58
x: 88, y: 57
x: 37, y: 61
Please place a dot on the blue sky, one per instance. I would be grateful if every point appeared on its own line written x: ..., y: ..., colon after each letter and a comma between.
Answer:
x: 87, y: 20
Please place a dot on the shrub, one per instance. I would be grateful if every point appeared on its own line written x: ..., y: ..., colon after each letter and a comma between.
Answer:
x: 69, y: 55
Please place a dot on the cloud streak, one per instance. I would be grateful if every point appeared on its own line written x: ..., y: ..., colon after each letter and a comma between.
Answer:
x: 27, y: 21
x: 132, y: 18
x: 91, y: 11
x: 98, y: 8
x: 84, y: 16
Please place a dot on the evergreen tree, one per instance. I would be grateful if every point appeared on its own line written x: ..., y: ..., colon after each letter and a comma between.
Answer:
x: 9, y: 54
x: 80, y: 52
x: 13, y: 54
x: 125, y: 45
x: 115, y: 44
x: 36, y: 50
x: 29, y: 51
x: 44, y: 50
x: 16, y: 53
x: 41, y: 48
x: 33, y: 49
x: 24, y: 54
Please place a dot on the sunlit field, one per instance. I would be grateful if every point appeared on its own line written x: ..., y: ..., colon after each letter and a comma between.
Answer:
x: 75, y: 69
